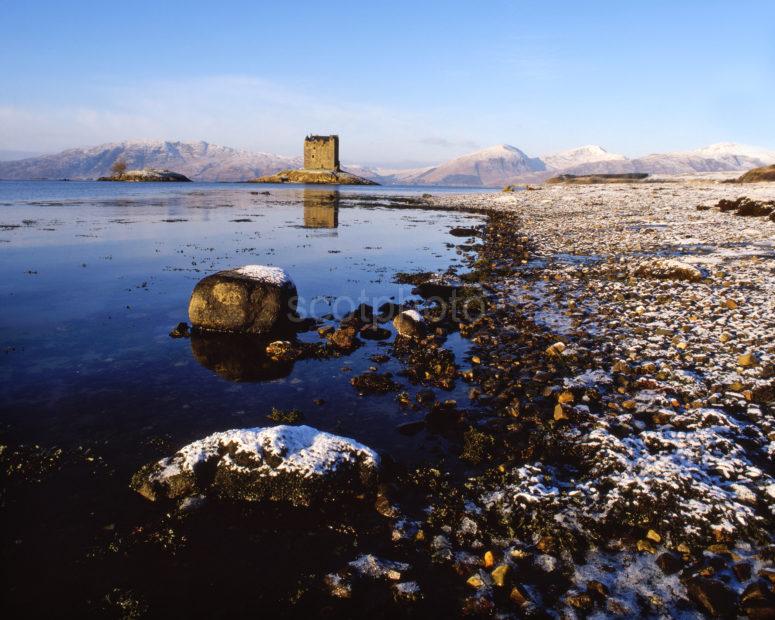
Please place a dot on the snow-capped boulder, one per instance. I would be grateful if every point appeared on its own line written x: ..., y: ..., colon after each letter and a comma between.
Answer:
x: 410, y: 324
x: 253, y: 299
x: 299, y: 465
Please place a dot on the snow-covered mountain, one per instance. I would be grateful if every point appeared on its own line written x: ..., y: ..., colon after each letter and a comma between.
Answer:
x: 490, y: 167
x: 197, y: 160
x: 487, y: 167
x: 588, y: 154
x: 722, y: 157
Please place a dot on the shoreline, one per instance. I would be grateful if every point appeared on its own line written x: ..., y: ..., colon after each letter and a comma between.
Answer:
x: 630, y: 407
x: 612, y: 455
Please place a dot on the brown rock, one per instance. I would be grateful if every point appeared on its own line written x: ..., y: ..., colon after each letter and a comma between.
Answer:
x: 253, y: 299
x: 713, y: 596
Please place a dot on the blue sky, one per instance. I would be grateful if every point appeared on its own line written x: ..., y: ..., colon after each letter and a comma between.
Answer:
x: 401, y: 82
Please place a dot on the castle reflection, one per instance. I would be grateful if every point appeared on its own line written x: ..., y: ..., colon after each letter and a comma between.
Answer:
x: 321, y: 208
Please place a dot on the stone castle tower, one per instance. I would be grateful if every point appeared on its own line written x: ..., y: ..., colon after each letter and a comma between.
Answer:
x: 321, y: 153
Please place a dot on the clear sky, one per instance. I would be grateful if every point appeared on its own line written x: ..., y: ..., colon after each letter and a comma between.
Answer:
x: 401, y: 82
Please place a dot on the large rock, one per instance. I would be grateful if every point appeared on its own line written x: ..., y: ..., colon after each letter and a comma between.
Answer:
x: 296, y: 464
x: 410, y: 324
x: 253, y: 299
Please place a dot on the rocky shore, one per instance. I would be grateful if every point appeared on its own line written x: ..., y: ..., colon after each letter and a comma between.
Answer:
x: 614, y: 454
x: 314, y: 177
x: 602, y: 439
x: 622, y: 391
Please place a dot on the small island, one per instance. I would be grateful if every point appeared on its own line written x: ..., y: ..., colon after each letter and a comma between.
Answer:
x: 321, y: 166
x: 592, y: 179
x: 119, y: 172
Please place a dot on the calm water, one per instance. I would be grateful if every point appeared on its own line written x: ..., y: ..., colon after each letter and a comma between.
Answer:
x: 92, y: 279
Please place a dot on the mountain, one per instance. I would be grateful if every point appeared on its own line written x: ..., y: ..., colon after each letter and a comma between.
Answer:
x: 722, y: 157
x: 495, y: 166
x: 490, y: 167
x: 6, y: 155
x: 197, y: 160
x: 580, y: 156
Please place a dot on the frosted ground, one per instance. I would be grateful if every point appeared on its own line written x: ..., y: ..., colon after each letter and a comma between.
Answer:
x: 665, y: 319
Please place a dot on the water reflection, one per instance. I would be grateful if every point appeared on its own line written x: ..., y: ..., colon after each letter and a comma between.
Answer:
x: 237, y: 357
x: 321, y: 209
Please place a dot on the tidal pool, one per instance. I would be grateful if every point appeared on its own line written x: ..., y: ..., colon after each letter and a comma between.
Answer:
x: 92, y: 279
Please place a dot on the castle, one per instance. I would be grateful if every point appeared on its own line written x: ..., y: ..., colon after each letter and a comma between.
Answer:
x: 321, y: 166
x: 321, y: 153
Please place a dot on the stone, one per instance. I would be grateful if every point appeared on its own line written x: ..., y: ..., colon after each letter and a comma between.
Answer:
x: 253, y: 299
x: 374, y: 383
x: 475, y: 581
x: 670, y: 563
x: 653, y: 536
x: 713, y: 596
x: 644, y: 545
x: 344, y: 339
x: 499, y: 575
x: 338, y: 586
x: 556, y: 349
x: 582, y: 601
x: 299, y: 465
x: 668, y: 269
x: 407, y: 591
x: 519, y: 596
x: 460, y: 231
x: 746, y: 360
x: 181, y: 331
x: 410, y: 324
x: 281, y: 351
x: 742, y: 570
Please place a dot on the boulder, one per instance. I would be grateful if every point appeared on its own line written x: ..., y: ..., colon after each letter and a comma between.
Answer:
x: 713, y: 596
x: 410, y: 324
x: 299, y: 465
x: 668, y: 269
x: 253, y: 299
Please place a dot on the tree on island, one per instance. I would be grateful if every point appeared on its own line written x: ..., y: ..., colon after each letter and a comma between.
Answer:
x: 118, y: 168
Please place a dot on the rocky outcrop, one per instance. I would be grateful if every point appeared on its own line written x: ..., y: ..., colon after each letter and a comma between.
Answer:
x: 299, y: 465
x: 148, y: 175
x: 316, y: 177
x: 758, y: 175
x: 254, y: 299
x: 591, y: 179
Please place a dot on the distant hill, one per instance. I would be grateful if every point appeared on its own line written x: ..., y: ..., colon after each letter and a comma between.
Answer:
x: 197, y: 160
x: 494, y: 166
x: 490, y: 167
x: 580, y: 156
